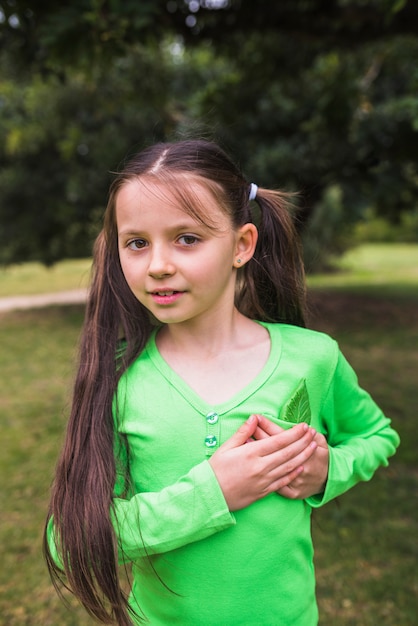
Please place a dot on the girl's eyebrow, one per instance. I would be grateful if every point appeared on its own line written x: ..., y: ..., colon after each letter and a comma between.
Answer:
x: 192, y: 225
x: 128, y: 233
x: 132, y: 234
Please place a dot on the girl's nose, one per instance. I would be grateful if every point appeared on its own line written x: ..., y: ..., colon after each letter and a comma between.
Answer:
x: 160, y: 264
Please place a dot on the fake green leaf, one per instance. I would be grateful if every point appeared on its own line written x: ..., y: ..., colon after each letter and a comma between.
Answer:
x: 297, y: 408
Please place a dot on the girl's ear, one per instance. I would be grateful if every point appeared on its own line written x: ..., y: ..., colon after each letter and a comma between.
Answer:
x: 246, y: 240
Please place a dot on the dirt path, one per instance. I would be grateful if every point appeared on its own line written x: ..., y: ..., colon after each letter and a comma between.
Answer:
x: 14, y: 303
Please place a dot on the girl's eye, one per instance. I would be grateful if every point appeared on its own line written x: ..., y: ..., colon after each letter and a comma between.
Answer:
x: 136, y: 244
x: 188, y: 240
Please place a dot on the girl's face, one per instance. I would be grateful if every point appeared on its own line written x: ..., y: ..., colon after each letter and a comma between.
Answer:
x: 181, y: 270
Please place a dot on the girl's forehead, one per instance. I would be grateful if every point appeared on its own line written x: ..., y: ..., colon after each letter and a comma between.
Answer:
x: 174, y: 189
x: 189, y: 194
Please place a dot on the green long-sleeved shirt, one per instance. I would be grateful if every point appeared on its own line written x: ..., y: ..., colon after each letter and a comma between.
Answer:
x: 254, y: 566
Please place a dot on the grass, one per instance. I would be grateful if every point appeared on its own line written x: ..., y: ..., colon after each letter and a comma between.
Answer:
x: 366, y: 551
x: 366, y: 548
x: 38, y: 350
x: 385, y: 269
x: 34, y: 278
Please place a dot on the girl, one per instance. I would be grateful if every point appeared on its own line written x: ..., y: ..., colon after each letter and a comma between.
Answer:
x: 206, y: 421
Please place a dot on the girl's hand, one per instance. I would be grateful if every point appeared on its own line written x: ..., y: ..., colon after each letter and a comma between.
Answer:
x: 247, y: 472
x: 313, y: 478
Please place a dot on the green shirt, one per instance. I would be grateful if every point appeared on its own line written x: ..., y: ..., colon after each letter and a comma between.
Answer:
x: 254, y: 566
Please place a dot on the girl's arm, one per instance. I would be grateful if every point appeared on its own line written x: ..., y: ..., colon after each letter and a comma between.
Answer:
x: 358, y: 440
x: 359, y: 435
x: 200, y: 503
x: 191, y: 509
x: 148, y: 523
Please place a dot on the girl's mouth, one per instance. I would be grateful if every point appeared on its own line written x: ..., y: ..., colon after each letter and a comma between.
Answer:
x: 165, y: 296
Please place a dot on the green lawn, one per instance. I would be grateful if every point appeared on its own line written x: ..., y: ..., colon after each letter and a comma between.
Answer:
x: 366, y: 547
x: 386, y: 269
x: 34, y: 278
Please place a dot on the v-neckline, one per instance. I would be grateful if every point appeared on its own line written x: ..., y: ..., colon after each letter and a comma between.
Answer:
x: 193, y: 398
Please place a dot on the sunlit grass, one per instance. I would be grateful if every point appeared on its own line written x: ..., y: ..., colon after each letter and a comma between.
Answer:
x: 34, y: 278
x: 386, y: 269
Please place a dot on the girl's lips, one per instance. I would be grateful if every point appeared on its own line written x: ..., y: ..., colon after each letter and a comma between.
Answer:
x: 166, y: 296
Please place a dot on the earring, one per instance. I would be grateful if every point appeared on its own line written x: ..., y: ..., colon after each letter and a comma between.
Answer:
x: 238, y: 261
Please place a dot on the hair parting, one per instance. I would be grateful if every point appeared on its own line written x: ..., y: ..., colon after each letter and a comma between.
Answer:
x: 270, y: 287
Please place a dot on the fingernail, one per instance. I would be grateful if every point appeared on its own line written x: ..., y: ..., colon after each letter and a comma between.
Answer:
x: 251, y: 419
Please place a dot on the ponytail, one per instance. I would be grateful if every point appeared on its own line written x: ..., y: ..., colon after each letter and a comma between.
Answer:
x: 272, y: 285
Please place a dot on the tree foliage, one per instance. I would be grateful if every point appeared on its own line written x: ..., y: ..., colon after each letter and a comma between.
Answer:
x: 317, y: 96
x: 60, y: 139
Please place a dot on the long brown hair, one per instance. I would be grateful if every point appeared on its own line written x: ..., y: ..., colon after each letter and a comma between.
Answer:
x: 270, y: 287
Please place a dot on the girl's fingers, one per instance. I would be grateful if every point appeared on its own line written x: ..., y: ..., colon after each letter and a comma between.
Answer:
x: 280, y: 467
x: 282, y: 483
x: 266, y: 427
x: 287, y: 491
x: 301, y: 435
x: 242, y: 435
x: 265, y: 466
x: 260, y: 434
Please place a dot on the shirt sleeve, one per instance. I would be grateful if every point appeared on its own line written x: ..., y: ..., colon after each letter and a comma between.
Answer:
x: 359, y: 436
x: 191, y: 509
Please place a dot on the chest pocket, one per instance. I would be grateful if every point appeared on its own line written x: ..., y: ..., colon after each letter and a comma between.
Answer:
x: 294, y: 410
x: 297, y: 409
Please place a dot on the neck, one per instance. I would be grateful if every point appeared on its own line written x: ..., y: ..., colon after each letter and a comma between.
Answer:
x: 217, y: 360
x: 207, y: 338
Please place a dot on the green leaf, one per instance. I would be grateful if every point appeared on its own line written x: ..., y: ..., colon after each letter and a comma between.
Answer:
x: 297, y: 408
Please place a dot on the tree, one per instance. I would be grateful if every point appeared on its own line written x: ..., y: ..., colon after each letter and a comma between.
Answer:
x: 58, y: 139
x: 312, y: 119
x: 313, y: 95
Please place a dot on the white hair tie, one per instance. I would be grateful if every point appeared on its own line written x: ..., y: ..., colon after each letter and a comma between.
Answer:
x: 253, y: 192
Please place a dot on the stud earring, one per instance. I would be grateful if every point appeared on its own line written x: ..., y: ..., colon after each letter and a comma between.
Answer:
x: 238, y: 260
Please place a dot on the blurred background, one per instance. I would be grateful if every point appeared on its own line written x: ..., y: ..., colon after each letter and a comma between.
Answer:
x: 314, y: 96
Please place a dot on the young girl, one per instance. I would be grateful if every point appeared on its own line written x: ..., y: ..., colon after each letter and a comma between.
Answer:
x: 206, y: 421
